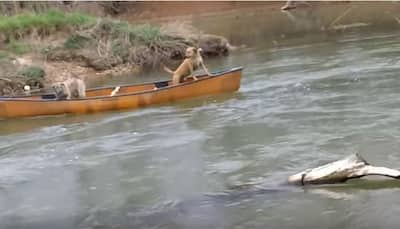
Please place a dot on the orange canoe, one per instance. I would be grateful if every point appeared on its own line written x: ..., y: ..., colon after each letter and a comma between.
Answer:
x: 128, y: 96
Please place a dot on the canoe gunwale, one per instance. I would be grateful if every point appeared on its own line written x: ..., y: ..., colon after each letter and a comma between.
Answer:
x: 215, y: 75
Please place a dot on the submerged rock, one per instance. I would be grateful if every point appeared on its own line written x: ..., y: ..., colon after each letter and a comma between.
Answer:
x: 212, y: 45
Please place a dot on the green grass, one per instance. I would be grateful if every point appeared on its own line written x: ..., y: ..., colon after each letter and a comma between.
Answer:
x: 4, y: 55
x: 18, y: 47
x: 18, y: 25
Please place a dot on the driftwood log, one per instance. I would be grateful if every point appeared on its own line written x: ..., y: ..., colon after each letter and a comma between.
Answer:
x: 340, y: 171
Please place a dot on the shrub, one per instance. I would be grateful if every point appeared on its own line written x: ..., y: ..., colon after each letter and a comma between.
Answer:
x: 75, y: 42
x: 34, y: 76
x: 33, y: 72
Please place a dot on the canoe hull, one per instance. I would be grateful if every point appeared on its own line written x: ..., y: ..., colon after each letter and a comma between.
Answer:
x: 224, y: 82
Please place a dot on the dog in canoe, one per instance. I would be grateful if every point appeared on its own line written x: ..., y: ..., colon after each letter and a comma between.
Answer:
x: 72, y: 88
x: 191, y: 63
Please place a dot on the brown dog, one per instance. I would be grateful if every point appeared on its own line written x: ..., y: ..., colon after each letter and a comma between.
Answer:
x: 73, y: 87
x: 191, y: 62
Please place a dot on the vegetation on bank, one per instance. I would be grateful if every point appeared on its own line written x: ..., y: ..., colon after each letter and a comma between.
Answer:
x: 41, y: 24
x: 108, y: 43
x: 117, y: 41
x: 97, y: 43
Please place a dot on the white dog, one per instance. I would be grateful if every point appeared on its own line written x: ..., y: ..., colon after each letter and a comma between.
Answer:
x: 73, y: 87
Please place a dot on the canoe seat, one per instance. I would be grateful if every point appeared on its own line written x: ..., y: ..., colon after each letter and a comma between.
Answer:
x: 161, y: 84
x: 49, y: 96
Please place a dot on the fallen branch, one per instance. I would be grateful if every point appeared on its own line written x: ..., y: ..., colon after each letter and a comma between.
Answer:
x: 349, y: 26
x: 340, y: 171
x: 5, y: 79
x: 397, y: 19
x: 340, y: 17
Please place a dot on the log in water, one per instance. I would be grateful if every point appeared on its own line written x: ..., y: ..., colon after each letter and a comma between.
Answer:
x: 353, y: 166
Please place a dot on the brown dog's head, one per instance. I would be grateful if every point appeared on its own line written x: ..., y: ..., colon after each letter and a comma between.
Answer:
x: 191, y: 52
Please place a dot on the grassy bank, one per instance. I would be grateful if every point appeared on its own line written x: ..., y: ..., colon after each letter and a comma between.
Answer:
x: 18, y: 26
x: 114, y: 41
x: 118, y: 42
x: 108, y: 43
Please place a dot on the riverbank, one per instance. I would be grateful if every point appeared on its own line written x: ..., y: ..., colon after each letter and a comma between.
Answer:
x: 60, y: 44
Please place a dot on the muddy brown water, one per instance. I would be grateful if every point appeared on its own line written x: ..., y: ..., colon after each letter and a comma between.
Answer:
x: 306, y: 98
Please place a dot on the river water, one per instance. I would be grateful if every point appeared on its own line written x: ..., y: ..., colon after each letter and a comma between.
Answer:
x: 308, y: 101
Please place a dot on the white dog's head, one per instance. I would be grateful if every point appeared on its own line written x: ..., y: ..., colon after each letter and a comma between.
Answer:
x: 59, y: 89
